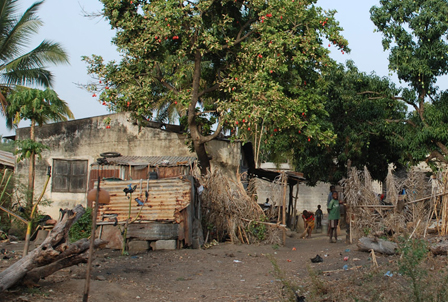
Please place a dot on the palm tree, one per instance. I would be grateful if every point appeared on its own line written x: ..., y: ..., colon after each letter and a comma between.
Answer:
x: 39, y: 107
x: 18, y: 67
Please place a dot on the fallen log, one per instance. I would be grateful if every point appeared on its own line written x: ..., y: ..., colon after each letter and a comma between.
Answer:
x: 439, y: 248
x: 74, y: 257
x: 382, y: 246
x: 53, y: 254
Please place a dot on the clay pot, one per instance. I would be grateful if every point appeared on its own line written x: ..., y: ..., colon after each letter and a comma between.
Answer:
x: 104, y: 197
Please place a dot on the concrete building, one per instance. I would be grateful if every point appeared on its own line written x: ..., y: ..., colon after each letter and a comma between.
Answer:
x: 76, y: 145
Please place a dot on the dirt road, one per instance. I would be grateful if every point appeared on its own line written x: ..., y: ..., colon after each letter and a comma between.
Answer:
x: 224, y: 272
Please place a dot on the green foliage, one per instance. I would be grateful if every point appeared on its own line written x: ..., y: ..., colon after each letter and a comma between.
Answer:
x: 6, y: 144
x: 6, y: 189
x: 361, y: 123
x: 26, y: 147
x: 416, y: 34
x: 18, y: 65
x: 258, y: 229
x: 81, y: 228
x: 413, y: 253
x: 254, y: 67
x: 366, y: 231
x: 37, y: 106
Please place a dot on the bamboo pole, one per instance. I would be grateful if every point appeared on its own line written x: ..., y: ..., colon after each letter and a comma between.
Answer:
x: 85, y: 297
x: 426, y: 198
x: 294, y: 220
x: 284, y: 207
x: 33, y: 211
x: 267, y: 223
x: 14, y: 214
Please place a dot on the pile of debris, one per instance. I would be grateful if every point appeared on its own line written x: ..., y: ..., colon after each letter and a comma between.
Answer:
x: 415, y: 205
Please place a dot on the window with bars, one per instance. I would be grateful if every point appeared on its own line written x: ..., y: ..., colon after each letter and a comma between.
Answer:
x: 69, y: 176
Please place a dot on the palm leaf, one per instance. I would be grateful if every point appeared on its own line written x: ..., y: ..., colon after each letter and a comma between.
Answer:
x: 15, y: 32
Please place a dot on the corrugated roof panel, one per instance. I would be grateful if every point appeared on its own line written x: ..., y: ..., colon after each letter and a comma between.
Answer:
x: 7, y: 159
x: 151, y: 160
x: 167, y: 198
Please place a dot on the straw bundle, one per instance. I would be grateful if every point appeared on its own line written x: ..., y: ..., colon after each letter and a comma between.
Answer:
x: 228, y: 211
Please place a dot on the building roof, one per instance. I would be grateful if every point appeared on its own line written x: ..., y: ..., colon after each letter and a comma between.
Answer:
x: 293, y: 177
x: 7, y: 159
x: 153, y: 161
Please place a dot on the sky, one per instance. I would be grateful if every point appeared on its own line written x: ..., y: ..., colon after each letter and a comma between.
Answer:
x: 65, y: 23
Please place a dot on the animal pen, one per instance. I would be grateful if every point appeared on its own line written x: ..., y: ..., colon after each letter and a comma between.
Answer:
x: 414, y: 206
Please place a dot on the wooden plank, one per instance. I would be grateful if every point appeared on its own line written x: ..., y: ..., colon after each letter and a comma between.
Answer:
x: 153, y: 231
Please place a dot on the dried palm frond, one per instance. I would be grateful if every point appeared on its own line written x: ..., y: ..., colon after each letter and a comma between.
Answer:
x: 231, y: 211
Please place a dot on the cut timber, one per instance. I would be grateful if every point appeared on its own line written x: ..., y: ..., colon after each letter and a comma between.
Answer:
x: 386, y: 247
x: 53, y: 254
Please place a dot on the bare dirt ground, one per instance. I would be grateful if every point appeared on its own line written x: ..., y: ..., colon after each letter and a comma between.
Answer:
x: 225, y: 272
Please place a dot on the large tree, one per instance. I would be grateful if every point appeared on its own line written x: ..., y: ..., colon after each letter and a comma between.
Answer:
x: 363, y: 126
x: 251, y: 66
x: 415, y: 33
x: 17, y: 65
x: 39, y: 107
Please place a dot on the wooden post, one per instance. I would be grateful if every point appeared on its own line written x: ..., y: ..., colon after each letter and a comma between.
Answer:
x: 294, y: 221
x: 85, y: 297
x: 284, y: 207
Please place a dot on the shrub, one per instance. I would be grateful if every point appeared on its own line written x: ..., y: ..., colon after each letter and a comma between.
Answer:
x: 81, y: 228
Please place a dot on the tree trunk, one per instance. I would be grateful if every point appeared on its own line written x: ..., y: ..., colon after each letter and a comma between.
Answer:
x: 31, y: 169
x: 53, y: 254
x: 77, y: 252
x: 198, y: 138
x: 203, y: 160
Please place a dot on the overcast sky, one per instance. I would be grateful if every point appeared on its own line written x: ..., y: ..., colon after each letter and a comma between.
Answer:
x: 64, y: 23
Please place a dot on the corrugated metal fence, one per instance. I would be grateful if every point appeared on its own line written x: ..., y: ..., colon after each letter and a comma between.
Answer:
x: 167, y: 198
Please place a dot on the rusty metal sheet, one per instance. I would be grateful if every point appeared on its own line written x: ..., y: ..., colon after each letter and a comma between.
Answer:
x: 167, y: 198
x: 153, y: 161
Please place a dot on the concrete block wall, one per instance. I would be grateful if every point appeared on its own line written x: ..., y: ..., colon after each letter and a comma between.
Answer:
x: 308, y: 197
x: 311, y: 197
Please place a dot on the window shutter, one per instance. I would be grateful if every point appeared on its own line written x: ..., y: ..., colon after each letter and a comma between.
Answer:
x: 61, y: 171
x: 69, y: 176
x: 78, y: 177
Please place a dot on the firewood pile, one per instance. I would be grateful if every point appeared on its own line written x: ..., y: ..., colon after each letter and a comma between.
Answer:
x: 229, y: 211
x: 414, y: 205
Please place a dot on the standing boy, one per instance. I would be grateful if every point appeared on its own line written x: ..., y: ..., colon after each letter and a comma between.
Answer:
x: 319, y: 214
x: 333, y: 217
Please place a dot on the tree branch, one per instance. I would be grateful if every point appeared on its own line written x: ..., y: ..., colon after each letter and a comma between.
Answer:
x: 159, y: 77
x: 436, y: 155
x: 239, y: 39
x: 402, y: 121
x: 390, y: 97
x: 215, y: 134
x: 210, y: 89
x: 442, y: 147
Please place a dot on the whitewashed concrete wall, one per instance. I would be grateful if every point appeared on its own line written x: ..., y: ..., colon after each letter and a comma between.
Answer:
x: 308, y: 198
